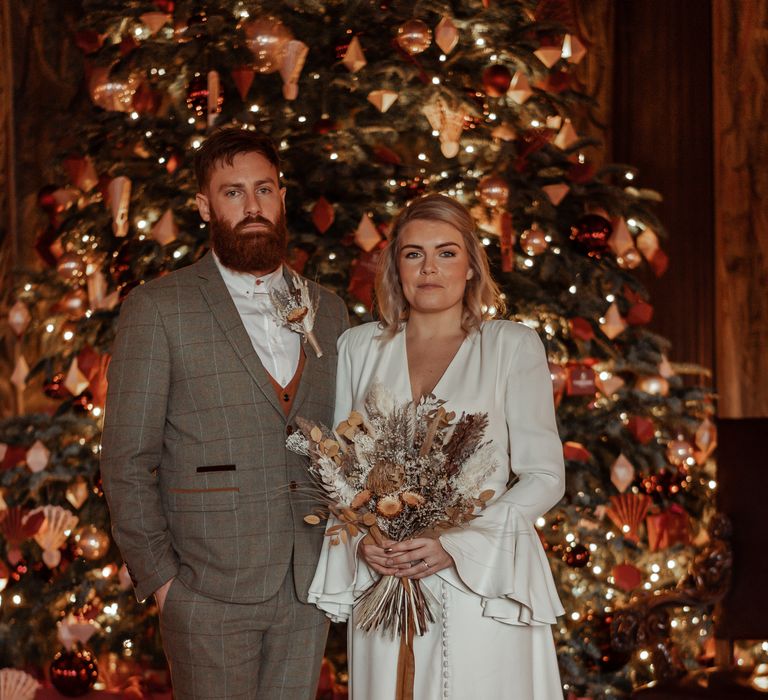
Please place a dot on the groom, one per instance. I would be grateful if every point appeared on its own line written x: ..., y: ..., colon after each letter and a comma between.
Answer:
x: 204, y: 387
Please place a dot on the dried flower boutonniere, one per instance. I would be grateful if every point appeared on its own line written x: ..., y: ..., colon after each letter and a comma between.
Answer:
x: 296, y: 309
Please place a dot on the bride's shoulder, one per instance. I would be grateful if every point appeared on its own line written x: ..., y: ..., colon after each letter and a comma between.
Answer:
x: 503, y: 330
x: 359, y: 336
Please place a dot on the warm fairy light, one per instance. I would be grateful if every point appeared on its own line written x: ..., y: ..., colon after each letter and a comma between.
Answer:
x: 191, y: 120
x: 127, y: 644
x: 592, y: 547
x: 597, y: 570
x: 492, y: 116
x: 535, y: 123
x: 27, y: 287
x: 610, y: 298
x: 575, y: 616
x: 632, y: 223
x: 422, y: 156
x: 134, y: 116
x: 390, y: 204
x: 480, y: 42
x: 161, y: 71
x: 161, y: 160
x: 142, y: 237
x: 68, y: 335
x: 601, y: 320
x: 647, y: 586
x: 331, y: 256
x: 610, y: 535
x: 255, y: 108
x: 695, y: 620
x: 106, y: 572
x: 712, y: 484
x: 96, y: 411
x: 556, y: 250
x: 111, y: 609
x: 548, y: 238
x: 654, y: 578
x: 570, y: 537
x: 655, y: 568
x: 492, y: 311
x: 604, y: 375
x: 674, y: 623
x: 176, y: 254
x: 50, y: 328
x: 16, y: 599
x: 443, y: 58
x: 435, y: 80
x: 470, y: 149
x: 644, y: 655
x: 671, y: 564
x: 334, y: 156
x: 141, y: 224
x: 549, y: 329
x: 528, y: 262
x: 196, y: 144
x: 540, y: 522
x: 435, y: 132
x: 629, y: 176
x: 316, y: 76
x: 625, y: 528
x: 359, y: 309
x: 486, y: 241
x: 572, y: 289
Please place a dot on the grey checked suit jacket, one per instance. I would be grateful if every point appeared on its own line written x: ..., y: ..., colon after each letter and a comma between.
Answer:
x: 194, y: 466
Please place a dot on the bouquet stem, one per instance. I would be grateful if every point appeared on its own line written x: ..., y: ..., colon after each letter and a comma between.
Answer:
x: 312, y: 340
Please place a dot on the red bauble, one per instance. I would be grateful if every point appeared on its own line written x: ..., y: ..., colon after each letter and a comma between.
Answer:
x: 325, y: 125
x: 46, y: 201
x: 74, y: 672
x: 165, y: 6
x: 597, y: 633
x: 591, y: 233
x: 576, y: 556
x: 496, y: 80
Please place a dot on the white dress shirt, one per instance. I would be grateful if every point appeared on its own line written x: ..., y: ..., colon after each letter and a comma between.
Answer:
x: 278, y: 347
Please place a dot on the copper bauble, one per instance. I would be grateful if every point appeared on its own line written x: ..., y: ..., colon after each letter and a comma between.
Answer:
x: 493, y: 191
x: 91, y: 543
x: 267, y: 38
x: 591, y: 233
x: 74, y: 672
x: 533, y: 241
x: 70, y: 266
x: 496, y: 80
x: 653, y: 384
x: 198, y: 93
x: 414, y: 36
x: 113, y: 93
x: 73, y: 304
x: 679, y: 451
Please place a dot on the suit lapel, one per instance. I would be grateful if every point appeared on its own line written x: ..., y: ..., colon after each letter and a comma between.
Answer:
x: 225, y: 312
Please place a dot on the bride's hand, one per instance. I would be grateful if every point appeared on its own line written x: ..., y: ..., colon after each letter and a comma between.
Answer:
x: 377, y: 557
x: 419, y: 557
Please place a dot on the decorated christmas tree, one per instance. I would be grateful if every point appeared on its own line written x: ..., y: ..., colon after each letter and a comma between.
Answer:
x: 371, y: 103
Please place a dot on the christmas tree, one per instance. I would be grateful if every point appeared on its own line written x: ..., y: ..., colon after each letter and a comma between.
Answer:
x: 371, y: 103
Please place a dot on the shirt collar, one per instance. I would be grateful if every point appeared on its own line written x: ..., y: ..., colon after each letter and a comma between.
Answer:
x: 248, y: 284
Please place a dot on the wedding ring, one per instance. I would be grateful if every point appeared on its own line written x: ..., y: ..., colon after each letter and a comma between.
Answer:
x: 424, y: 561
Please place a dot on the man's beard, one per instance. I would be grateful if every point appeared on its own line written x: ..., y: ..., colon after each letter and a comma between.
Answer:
x: 257, y: 251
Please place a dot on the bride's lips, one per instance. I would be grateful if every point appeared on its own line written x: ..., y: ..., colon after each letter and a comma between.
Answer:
x: 429, y: 286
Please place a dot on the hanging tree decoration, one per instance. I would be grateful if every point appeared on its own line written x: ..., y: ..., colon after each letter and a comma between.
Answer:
x: 17, y: 526
x: 414, y: 36
x: 111, y: 93
x: 519, y: 88
x: 382, y: 99
x: 448, y: 122
x: 119, y: 200
x: 354, y: 58
x: 267, y: 38
x: 53, y: 532
x: 19, y: 318
x: 446, y: 35
x: 290, y: 69
x: 242, y: 77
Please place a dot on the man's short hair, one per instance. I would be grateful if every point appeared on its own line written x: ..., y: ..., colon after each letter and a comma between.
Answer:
x: 222, y: 146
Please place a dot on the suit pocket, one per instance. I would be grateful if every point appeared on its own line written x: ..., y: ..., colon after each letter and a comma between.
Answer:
x: 207, y: 491
x: 216, y: 468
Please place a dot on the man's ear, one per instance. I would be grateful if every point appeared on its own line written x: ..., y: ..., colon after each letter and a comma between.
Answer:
x: 203, y: 206
x: 282, y: 195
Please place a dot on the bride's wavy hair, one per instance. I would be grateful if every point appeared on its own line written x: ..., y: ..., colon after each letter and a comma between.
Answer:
x: 481, y: 295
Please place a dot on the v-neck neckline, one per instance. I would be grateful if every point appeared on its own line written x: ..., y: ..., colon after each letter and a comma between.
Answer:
x: 449, y: 366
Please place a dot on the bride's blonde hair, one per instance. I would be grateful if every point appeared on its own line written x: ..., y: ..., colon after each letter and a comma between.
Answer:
x: 481, y: 292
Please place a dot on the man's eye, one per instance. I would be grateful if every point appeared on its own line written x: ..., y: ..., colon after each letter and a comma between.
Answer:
x: 231, y: 193
x: 264, y: 190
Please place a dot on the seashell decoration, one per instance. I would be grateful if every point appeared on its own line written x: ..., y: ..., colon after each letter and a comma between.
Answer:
x: 53, y: 533
x: 627, y: 511
x: 17, y: 685
x: 17, y: 525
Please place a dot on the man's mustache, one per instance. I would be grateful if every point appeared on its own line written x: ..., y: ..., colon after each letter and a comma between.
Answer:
x: 251, y: 220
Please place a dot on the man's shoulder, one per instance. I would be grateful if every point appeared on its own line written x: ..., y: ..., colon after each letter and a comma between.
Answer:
x: 328, y: 301
x: 172, y: 287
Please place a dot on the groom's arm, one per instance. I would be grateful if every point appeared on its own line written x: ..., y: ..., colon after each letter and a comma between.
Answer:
x: 132, y: 443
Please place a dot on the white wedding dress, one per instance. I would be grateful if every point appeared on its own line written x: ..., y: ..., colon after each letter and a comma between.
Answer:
x: 492, y: 636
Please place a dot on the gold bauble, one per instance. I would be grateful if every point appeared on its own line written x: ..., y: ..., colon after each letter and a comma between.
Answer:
x: 533, y: 241
x: 267, y: 38
x: 414, y: 36
x: 493, y: 191
x: 70, y: 266
x: 91, y: 543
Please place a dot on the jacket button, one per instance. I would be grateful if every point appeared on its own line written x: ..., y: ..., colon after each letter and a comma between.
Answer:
x: 286, y: 397
x: 289, y: 430
x: 293, y: 486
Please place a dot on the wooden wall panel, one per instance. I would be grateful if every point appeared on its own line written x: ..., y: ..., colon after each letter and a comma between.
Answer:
x: 662, y: 124
x: 740, y: 61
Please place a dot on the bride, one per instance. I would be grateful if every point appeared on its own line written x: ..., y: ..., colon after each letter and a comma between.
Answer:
x: 491, y: 579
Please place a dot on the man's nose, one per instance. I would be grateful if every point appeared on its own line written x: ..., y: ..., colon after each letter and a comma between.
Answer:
x: 252, y: 204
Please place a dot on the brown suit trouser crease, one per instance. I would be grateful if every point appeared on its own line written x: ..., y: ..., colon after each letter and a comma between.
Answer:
x: 262, y: 651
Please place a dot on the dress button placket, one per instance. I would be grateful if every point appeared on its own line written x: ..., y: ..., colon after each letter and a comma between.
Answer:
x: 444, y: 639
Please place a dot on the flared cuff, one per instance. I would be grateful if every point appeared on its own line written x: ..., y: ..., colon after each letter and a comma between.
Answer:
x: 500, y: 558
x: 340, y: 578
